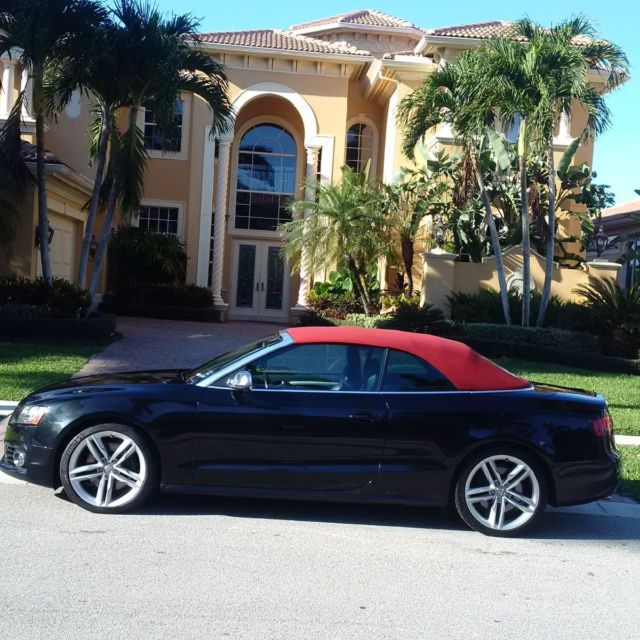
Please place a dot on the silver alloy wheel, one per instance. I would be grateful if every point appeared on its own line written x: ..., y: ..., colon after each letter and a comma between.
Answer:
x: 107, y: 469
x: 502, y: 492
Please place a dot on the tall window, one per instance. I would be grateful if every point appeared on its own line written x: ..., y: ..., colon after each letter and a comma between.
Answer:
x: 359, y: 146
x: 159, y: 219
x: 168, y: 139
x: 266, y: 177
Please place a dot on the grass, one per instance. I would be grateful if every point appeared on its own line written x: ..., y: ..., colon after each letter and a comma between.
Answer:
x: 630, y: 483
x: 25, y: 367
x: 622, y: 391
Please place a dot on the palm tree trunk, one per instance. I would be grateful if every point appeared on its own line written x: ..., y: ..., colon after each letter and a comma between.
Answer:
x: 551, y: 240
x: 407, y: 260
x: 495, y: 242
x: 526, y: 243
x: 43, y: 217
x: 104, y: 239
x: 95, y: 199
x: 357, y: 281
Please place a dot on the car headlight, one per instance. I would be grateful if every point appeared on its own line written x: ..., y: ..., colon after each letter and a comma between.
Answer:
x: 31, y: 415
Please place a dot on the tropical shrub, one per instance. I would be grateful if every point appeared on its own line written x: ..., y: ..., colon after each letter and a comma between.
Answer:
x: 485, y: 306
x: 407, y: 314
x: 333, y: 305
x: 20, y: 295
x: 141, y: 256
x: 616, y: 312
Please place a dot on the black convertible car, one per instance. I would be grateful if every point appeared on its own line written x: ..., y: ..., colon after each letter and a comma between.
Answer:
x: 329, y: 414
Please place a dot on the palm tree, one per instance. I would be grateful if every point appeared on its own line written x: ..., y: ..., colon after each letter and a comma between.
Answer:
x: 345, y: 225
x: 448, y: 97
x: 44, y: 32
x: 156, y: 59
x: 531, y: 81
x: 569, y: 51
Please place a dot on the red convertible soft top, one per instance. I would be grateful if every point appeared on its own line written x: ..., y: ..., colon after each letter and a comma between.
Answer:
x: 465, y: 368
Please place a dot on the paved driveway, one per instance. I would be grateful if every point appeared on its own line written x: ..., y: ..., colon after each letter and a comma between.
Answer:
x: 171, y: 344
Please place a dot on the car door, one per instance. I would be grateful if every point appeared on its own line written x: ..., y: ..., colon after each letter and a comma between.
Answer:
x: 426, y: 419
x: 312, y: 421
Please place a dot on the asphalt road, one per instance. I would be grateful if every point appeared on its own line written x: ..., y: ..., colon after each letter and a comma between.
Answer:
x: 196, y: 567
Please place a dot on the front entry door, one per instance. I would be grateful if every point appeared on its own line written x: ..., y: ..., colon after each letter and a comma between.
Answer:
x: 260, y: 288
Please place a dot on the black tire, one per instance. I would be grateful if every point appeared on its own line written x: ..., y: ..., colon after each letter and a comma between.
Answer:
x: 141, y: 463
x: 536, y: 477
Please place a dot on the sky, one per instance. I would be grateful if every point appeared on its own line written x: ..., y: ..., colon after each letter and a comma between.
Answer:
x: 617, y: 151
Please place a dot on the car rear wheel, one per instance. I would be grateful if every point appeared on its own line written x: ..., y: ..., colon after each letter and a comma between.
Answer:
x: 501, y: 492
x: 108, y: 468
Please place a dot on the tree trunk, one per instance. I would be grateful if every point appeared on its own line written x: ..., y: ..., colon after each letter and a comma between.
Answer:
x: 526, y: 243
x: 95, y: 199
x: 360, y: 289
x: 407, y: 259
x: 551, y: 240
x: 104, y: 239
x: 495, y: 241
x: 43, y: 217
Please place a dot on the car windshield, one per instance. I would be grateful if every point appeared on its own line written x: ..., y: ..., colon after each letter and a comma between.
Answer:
x: 223, y: 360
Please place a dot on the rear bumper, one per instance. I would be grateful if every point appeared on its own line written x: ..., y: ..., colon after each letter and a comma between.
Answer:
x: 38, y: 459
x: 578, y: 483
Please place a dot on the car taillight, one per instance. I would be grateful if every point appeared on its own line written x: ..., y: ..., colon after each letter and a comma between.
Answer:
x: 603, y: 426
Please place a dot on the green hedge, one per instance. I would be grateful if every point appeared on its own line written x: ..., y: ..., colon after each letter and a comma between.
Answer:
x: 206, y: 314
x: 160, y: 295
x: 23, y: 297
x: 582, y: 359
x: 533, y: 337
x: 97, y: 328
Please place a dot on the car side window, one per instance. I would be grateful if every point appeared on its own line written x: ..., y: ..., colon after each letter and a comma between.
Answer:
x: 319, y: 367
x: 406, y: 372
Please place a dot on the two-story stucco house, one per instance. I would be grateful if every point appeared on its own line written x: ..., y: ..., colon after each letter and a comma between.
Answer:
x: 307, y: 100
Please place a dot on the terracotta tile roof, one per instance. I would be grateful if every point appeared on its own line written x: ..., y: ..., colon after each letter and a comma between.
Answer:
x: 483, y: 30
x: 367, y: 17
x: 276, y: 39
x: 28, y: 152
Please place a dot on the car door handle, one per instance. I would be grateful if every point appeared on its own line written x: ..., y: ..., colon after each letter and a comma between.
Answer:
x: 364, y: 416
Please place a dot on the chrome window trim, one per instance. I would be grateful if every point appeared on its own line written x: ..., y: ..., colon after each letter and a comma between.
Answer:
x: 216, y: 377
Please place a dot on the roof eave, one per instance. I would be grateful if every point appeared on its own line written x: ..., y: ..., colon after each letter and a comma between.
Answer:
x: 286, y: 53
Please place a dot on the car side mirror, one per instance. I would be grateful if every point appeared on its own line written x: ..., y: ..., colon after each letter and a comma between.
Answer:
x: 240, y: 381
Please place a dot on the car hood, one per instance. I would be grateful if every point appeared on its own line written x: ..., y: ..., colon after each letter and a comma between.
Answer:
x: 105, y: 382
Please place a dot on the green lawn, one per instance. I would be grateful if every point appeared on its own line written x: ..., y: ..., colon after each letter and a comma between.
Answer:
x: 26, y: 367
x: 630, y: 471
x: 622, y: 391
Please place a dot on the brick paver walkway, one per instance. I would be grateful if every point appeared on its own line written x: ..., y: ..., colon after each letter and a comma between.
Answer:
x: 171, y: 344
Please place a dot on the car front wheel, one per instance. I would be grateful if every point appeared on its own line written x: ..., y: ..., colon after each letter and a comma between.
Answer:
x: 108, y: 468
x: 501, y: 492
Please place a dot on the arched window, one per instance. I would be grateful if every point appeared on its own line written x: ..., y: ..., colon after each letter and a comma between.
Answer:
x: 266, y: 177
x: 359, y: 146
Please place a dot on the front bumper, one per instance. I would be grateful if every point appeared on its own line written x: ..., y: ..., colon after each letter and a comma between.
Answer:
x: 38, y: 467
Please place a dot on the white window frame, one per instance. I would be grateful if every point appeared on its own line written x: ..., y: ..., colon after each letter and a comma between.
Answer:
x: 361, y: 118
x: 184, y: 133
x: 168, y: 204
x: 233, y: 173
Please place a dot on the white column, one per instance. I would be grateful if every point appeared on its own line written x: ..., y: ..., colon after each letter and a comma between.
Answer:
x: 219, y: 231
x: 310, y: 191
x: 27, y: 91
x: 6, y: 94
x: 564, y: 130
x: 206, y: 203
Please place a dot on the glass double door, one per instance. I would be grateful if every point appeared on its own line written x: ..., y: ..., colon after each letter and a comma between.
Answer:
x: 260, y: 287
